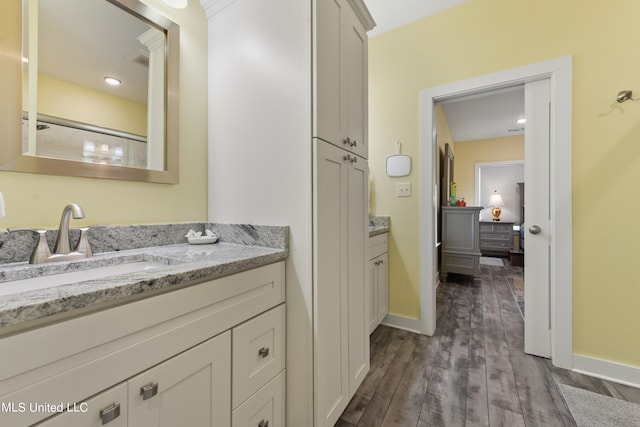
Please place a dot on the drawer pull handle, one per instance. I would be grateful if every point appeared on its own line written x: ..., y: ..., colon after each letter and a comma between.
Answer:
x: 263, y: 352
x: 263, y: 423
x: 149, y: 390
x: 110, y: 413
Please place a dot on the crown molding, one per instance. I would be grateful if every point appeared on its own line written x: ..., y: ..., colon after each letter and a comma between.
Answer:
x: 213, y: 7
x: 363, y: 14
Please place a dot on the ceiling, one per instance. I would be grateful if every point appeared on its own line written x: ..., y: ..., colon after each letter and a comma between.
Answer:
x: 82, y: 41
x: 390, y: 14
x: 480, y: 116
x: 485, y: 115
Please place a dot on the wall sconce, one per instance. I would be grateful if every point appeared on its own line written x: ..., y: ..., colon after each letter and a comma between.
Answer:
x: 496, y: 203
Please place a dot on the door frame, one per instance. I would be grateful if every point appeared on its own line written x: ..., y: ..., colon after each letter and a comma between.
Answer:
x: 559, y: 71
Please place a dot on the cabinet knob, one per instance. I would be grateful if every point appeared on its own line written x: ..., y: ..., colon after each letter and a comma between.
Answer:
x: 148, y: 391
x: 354, y: 143
x: 263, y: 423
x: 347, y: 141
x: 263, y: 352
x: 110, y: 413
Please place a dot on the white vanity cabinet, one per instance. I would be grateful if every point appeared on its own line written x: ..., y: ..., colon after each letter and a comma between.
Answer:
x: 163, y: 360
x: 341, y: 78
x: 378, y: 279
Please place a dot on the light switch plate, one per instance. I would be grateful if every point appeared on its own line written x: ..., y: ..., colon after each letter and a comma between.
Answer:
x: 403, y: 189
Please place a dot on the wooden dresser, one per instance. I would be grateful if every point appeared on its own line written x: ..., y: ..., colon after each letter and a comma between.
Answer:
x: 460, y: 251
x: 496, y: 238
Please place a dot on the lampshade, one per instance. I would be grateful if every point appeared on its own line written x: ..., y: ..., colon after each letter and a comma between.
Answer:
x: 496, y: 200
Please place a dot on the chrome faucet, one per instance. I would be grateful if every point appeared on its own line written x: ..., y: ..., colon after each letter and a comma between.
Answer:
x: 62, y: 249
x: 62, y: 242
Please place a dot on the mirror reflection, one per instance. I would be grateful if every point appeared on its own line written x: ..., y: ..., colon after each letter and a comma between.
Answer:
x: 89, y: 68
x: 57, y: 114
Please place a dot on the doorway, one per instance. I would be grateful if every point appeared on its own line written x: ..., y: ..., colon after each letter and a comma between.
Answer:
x: 558, y: 74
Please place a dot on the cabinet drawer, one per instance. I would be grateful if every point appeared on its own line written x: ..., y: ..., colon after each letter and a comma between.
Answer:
x: 495, y: 244
x: 259, y: 353
x: 108, y: 408
x: 265, y: 408
x: 506, y: 228
x: 496, y: 236
x: 486, y: 226
x: 378, y: 245
x: 461, y: 264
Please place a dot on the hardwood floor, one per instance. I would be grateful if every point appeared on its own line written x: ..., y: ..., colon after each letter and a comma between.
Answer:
x: 472, y: 372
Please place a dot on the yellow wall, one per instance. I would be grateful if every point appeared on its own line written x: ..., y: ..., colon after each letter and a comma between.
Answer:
x: 468, y: 153
x: 37, y: 200
x: 485, y: 36
x: 70, y: 101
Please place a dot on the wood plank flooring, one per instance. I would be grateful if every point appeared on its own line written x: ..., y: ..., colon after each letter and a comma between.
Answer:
x: 472, y: 372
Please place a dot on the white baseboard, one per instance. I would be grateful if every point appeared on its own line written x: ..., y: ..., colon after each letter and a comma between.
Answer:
x: 607, y: 370
x: 401, y: 322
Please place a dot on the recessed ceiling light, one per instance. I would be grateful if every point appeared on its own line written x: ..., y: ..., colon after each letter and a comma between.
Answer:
x: 178, y: 4
x: 521, y: 121
x: 113, y: 81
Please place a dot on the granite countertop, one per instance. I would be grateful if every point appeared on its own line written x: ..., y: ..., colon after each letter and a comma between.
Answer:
x: 374, y: 230
x: 378, y: 225
x: 179, y: 265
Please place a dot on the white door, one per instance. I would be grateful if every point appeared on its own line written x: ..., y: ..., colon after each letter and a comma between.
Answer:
x: 537, y: 325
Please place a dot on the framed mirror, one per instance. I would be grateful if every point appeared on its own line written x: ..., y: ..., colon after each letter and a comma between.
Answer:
x: 60, y: 114
x: 447, y: 175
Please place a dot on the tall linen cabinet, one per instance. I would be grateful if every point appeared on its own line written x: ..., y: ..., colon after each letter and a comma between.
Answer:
x: 287, y: 145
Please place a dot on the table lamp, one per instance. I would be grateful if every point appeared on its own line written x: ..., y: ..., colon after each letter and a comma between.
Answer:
x: 496, y: 203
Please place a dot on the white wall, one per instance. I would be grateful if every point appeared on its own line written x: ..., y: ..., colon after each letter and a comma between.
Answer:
x: 503, y: 177
x: 259, y: 157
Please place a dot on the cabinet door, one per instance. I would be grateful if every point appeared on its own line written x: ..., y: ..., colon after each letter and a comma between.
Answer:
x: 330, y: 300
x: 107, y: 408
x: 190, y: 389
x: 358, y: 239
x: 355, y: 58
x: 373, y: 295
x: 341, y: 77
x: 331, y: 117
x: 382, y: 287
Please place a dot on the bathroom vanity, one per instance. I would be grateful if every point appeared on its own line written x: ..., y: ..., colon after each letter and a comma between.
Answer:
x: 198, y: 341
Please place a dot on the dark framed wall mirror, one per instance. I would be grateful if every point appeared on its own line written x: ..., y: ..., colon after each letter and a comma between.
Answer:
x: 447, y: 175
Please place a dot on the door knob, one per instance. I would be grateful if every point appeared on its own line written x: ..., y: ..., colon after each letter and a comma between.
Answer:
x: 535, y: 229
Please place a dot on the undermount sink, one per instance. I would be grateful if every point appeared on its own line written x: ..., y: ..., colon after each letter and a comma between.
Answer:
x: 66, y: 278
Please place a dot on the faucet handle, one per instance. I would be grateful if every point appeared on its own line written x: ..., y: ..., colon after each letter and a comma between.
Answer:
x: 83, y: 245
x: 41, y: 252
